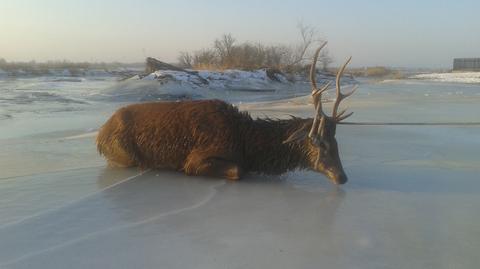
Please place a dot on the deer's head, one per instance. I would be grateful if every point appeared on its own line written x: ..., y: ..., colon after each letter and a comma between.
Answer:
x: 321, y: 145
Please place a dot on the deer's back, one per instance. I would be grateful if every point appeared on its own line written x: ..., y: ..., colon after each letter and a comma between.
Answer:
x: 162, y: 134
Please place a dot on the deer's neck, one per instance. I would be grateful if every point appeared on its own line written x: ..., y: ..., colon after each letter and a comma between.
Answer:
x: 264, y: 148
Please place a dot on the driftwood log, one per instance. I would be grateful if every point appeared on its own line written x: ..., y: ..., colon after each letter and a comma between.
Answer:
x: 153, y: 65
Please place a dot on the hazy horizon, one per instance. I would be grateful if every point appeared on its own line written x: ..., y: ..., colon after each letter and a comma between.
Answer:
x: 399, y: 34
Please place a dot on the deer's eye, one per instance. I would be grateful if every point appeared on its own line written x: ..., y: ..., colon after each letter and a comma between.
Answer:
x: 324, y: 145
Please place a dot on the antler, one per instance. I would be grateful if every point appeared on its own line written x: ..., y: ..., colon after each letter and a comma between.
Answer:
x: 319, y: 120
x: 340, y: 96
x: 317, y: 97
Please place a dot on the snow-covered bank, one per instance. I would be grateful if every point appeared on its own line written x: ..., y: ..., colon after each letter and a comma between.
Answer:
x: 228, y: 79
x: 230, y: 85
x: 233, y: 79
x: 458, y: 77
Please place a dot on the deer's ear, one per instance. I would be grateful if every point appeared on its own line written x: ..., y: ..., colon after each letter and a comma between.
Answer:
x: 299, y: 134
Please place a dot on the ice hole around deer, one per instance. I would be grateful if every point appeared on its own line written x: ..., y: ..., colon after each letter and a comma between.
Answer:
x: 411, y: 200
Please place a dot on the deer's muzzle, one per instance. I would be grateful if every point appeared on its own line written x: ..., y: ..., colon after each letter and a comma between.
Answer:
x: 337, y: 177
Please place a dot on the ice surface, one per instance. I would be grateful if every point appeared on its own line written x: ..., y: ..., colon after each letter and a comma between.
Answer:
x: 462, y: 77
x: 411, y: 201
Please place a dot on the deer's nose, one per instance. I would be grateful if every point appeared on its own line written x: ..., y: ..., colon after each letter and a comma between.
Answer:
x: 341, y: 179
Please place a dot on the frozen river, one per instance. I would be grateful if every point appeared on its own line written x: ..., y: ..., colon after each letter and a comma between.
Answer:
x: 412, y: 200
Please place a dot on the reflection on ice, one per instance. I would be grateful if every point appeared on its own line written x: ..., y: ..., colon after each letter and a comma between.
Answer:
x: 171, y: 204
x: 275, y: 222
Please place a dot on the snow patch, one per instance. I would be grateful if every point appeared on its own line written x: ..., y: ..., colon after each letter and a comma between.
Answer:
x: 228, y: 79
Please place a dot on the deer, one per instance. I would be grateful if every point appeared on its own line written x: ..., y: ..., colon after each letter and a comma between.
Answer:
x: 213, y: 138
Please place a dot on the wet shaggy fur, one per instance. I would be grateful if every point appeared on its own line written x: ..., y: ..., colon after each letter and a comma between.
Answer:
x: 207, y: 137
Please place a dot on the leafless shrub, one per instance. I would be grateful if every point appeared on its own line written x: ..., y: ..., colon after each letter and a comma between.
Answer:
x: 227, y: 53
x: 296, y: 54
x: 380, y: 72
x: 205, y: 59
x: 325, y: 59
x: 224, y: 47
x: 185, y: 60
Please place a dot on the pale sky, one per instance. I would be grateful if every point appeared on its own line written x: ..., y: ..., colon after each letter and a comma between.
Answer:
x: 407, y: 33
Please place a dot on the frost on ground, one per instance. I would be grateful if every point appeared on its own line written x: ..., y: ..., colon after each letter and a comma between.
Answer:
x: 460, y: 77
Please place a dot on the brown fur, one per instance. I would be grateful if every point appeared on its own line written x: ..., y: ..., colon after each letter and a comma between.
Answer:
x: 208, y: 137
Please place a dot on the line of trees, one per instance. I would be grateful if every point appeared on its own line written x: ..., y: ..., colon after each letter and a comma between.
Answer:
x: 33, y: 67
x: 227, y: 53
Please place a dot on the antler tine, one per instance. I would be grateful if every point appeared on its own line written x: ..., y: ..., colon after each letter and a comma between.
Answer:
x: 313, y: 131
x: 324, y: 88
x: 321, y: 126
x: 317, y: 94
x: 317, y: 103
x: 341, y: 113
x: 345, y: 95
x: 340, y: 95
x: 313, y: 67
x: 340, y: 118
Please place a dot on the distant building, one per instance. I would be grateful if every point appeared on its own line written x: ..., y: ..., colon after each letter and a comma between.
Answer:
x: 466, y: 64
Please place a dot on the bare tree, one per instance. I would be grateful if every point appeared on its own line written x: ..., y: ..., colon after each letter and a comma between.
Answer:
x: 273, y: 56
x: 295, y: 55
x: 185, y: 60
x: 204, y: 58
x: 224, y: 48
x: 325, y: 59
x: 227, y: 53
